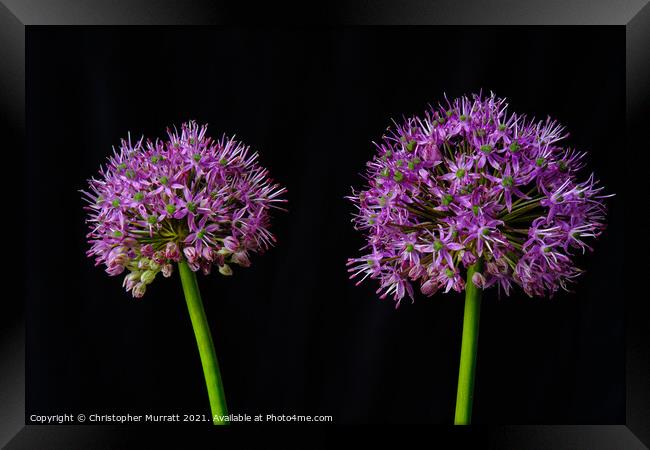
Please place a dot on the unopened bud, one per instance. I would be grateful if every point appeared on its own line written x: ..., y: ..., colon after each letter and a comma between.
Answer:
x: 114, y: 269
x: 468, y: 258
x: 416, y: 272
x: 231, y: 244
x: 121, y: 258
x: 139, y: 290
x: 429, y: 288
x: 159, y: 257
x: 147, y: 250
x: 172, y: 252
x: 148, y: 276
x: 131, y: 280
x: 207, y: 253
x: 478, y: 279
x: 190, y: 254
x: 241, y: 258
x: 225, y: 270
x: 167, y: 270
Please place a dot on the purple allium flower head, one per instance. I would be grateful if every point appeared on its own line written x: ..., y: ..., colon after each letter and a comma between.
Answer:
x: 470, y: 180
x: 189, y: 196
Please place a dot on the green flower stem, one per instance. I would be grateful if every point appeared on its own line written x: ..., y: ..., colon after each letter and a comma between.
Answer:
x: 465, y: 394
x: 204, y: 342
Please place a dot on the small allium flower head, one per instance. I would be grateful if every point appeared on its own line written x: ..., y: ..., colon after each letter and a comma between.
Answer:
x: 467, y: 181
x: 187, y: 197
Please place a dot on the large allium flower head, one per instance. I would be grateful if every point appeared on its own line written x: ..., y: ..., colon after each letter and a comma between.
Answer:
x: 189, y: 196
x: 469, y: 180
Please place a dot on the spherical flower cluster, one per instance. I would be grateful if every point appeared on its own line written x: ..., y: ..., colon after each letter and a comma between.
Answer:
x: 468, y: 181
x: 187, y: 197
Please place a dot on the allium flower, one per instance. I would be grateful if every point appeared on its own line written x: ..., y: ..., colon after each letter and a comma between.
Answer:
x: 190, y: 201
x: 188, y: 196
x: 469, y: 180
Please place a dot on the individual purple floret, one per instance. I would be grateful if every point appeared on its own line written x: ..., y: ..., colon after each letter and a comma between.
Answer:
x: 187, y: 197
x: 470, y: 180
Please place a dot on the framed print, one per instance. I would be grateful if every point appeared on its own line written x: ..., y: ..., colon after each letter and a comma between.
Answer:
x: 308, y: 223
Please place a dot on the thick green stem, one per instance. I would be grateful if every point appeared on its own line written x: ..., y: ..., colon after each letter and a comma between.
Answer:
x: 465, y: 394
x: 204, y: 342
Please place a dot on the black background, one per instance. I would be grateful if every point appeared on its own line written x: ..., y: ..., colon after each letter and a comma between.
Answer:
x: 293, y: 334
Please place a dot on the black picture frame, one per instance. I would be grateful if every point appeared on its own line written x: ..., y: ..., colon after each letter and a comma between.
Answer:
x: 16, y: 16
